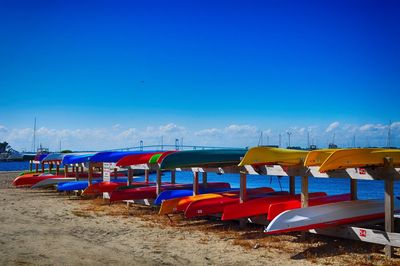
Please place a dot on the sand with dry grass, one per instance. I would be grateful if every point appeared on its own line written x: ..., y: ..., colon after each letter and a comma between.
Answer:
x: 45, y: 227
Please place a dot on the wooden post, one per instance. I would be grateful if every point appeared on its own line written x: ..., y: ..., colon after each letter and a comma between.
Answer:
x: 195, y: 183
x: 36, y: 167
x: 50, y: 167
x: 389, y: 206
x: 243, y: 187
x: 73, y: 169
x: 158, y: 184
x: 292, y: 185
x: 90, y: 174
x: 130, y: 176
x: 30, y: 166
x: 353, y: 189
x: 146, y: 175
x: 304, y: 197
x: 173, y: 177
x: 42, y: 167
x: 66, y: 170
x: 77, y: 173
x: 82, y: 168
x: 204, y: 174
x: 57, y: 169
x: 304, y: 191
x: 115, y: 173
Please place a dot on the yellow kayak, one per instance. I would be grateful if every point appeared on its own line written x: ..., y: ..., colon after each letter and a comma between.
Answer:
x: 268, y: 155
x: 351, y: 158
x: 317, y: 157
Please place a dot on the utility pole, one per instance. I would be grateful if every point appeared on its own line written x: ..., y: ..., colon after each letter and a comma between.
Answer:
x: 260, y: 140
x: 289, y: 133
x: 280, y: 140
x: 308, y: 139
x: 389, y: 144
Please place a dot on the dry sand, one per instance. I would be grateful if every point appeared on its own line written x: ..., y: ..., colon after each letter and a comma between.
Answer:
x: 43, y: 227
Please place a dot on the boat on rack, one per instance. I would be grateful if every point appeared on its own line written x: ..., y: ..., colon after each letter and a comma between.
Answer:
x: 110, y: 186
x: 180, y: 204
x: 52, y: 181
x: 173, y: 194
x: 356, y: 158
x: 150, y: 192
x: 269, y: 155
x: 215, y: 206
x: 259, y: 206
x: 202, y: 158
x: 277, y: 208
x: 328, y: 215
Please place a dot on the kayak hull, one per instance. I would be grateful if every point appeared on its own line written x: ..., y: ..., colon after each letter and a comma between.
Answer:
x: 258, y: 206
x: 52, y: 181
x: 181, y: 204
x: 327, y: 215
x: 277, y: 208
x: 150, y: 191
x: 217, y: 205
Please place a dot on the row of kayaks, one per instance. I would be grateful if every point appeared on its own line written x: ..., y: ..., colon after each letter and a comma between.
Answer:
x: 280, y: 209
x: 218, y: 199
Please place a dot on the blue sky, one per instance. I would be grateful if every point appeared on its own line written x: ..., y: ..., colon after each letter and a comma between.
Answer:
x: 193, y: 69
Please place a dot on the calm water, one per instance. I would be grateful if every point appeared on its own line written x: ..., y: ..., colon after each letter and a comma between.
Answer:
x: 366, y: 189
x: 14, y: 166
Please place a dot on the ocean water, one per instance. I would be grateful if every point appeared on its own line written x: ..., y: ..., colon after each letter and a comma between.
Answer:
x: 367, y: 189
x: 14, y: 166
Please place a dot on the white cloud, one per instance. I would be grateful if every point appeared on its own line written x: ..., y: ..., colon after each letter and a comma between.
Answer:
x: 395, y: 125
x: 233, y: 135
x: 332, y: 126
x: 171, y: 128
x: 372, y: 127
x: 208, y: 132
x: 243, y: 130
x: 116, y: 127
x: 3, y: 129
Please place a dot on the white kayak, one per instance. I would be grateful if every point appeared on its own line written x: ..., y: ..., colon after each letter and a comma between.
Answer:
x: 327, y: 215
x: 52, y: 181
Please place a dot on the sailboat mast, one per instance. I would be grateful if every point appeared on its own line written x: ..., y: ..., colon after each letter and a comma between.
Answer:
x: 389, y: 144
x: 34, y: 136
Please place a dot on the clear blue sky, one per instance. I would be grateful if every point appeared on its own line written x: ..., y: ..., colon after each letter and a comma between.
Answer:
x: 199, y: 64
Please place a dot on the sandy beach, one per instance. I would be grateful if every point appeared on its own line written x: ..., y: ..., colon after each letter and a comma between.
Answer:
x: 43, y: 227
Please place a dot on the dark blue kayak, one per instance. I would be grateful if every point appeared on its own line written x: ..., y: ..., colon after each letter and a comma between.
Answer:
x: 81, y: 185
x: 75, y: 185
x: 173, y: 194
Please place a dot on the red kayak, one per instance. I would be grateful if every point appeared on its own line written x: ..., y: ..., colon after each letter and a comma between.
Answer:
x: 110, y: 186
x: 259, y: 206
x: 182, y: 206
x: 217, y: 205
x: 277, y: 208
x: 150, y: 191
x: 29, y: 180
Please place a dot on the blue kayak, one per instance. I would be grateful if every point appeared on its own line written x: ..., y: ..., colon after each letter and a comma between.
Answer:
x: 173, y: 194
x: 75, y: 185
